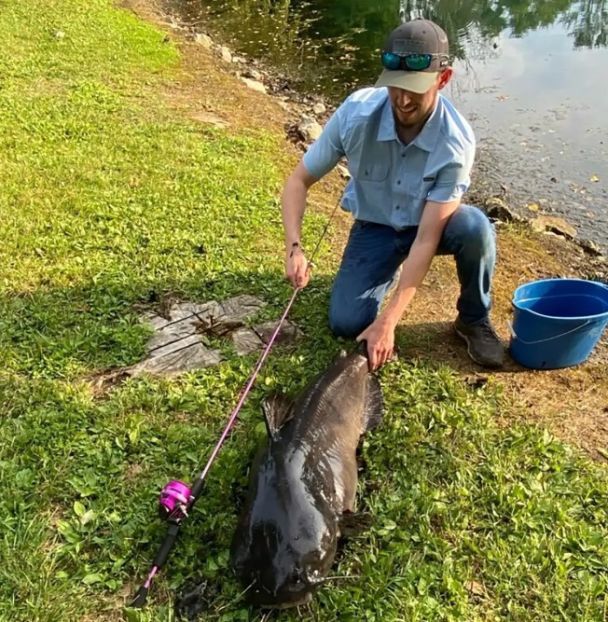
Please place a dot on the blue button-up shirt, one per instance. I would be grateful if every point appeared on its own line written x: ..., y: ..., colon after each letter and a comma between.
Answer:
x: 390, y: 181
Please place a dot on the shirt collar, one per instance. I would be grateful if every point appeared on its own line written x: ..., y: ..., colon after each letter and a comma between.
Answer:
x: 426, y: 140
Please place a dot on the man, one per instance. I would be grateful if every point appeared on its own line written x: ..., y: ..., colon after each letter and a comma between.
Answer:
x: 410, y: 154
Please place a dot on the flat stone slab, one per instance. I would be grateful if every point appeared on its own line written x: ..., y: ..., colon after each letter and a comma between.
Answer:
x: 248, y: 340
x: 194, y: 355
x: 178, y: 342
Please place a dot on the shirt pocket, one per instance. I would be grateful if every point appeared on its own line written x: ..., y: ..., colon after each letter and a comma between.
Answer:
x: 372, y: 172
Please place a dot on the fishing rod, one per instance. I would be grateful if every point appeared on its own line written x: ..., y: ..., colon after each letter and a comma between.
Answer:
x: 177, y: 498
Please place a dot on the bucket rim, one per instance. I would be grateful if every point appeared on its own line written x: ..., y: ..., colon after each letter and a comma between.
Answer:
x: 589, y: 318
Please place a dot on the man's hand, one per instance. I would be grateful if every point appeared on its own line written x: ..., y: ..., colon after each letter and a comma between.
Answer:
x: 296, y: 266
x: 380, y: 337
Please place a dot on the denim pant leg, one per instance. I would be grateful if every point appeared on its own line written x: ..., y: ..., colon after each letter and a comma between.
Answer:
x: 469, y: 236
x: 371, y: 258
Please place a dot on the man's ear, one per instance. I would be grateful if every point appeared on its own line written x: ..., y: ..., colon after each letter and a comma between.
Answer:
x: 445, y: 76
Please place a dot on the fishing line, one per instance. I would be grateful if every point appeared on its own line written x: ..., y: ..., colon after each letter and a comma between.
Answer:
x: 177, y: 498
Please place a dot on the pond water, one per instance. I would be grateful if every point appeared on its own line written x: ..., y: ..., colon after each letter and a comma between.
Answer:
x: 532, y: 78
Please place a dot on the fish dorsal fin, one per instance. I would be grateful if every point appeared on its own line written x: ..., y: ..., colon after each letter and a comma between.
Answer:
x: 374, y: 404
x: 278, y: 409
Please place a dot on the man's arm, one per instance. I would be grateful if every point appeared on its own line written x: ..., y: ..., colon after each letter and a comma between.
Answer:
x: 380, y: 335
x: 322, y: 156
x: 293, y: 208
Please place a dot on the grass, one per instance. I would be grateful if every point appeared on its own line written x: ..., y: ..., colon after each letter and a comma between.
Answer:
x: 109, y: 202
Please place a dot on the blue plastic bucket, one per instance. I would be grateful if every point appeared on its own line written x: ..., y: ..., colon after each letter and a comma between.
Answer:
x: 557, y: 322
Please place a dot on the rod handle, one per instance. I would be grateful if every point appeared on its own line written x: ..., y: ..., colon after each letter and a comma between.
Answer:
x: 141, y: 595
x: 139, y: 600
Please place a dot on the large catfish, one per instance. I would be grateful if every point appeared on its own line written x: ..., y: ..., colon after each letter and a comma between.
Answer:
x: 303, y: 484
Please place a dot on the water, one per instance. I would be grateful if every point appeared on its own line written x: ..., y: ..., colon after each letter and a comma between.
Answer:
x: 530, y: 77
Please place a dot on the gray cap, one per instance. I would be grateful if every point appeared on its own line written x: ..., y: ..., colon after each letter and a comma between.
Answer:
x: 420, y: 36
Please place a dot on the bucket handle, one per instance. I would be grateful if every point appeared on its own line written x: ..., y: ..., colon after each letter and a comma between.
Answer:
x: 530, y: 343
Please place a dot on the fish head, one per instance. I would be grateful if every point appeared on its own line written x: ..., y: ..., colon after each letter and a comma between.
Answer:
x: 287, y: 541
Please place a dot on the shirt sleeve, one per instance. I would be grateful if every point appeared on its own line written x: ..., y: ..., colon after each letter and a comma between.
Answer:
x: 454, y: 179
x: 327, y: 150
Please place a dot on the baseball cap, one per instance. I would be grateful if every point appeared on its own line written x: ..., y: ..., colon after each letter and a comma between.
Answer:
x: 420, y: 36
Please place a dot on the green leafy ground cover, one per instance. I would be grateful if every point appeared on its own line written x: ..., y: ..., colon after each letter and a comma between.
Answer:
x: 110, y: 201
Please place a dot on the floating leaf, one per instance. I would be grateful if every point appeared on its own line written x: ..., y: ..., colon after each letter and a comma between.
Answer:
x: 594, y: 178
x: 533, y: 207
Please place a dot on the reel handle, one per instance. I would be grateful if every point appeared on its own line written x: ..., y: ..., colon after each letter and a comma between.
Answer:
x: 174, y: 501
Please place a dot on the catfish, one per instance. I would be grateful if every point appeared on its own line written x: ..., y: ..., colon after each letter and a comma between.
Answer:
x: 303, y: 482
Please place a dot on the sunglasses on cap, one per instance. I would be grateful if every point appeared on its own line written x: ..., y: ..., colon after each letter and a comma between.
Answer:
x: 411, y: 62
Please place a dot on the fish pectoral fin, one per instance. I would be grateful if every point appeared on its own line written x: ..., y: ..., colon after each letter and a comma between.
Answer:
x: 278, y: 410
x: 374, y: 404
x: 354, y: 523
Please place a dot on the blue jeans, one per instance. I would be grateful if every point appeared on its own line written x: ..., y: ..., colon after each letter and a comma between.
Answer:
x: 374, y: 253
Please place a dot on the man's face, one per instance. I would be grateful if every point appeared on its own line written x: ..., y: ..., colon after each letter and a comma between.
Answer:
x: 411, y: 109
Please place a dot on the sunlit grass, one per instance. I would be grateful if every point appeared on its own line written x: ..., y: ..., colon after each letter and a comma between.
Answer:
x: 109, y: 203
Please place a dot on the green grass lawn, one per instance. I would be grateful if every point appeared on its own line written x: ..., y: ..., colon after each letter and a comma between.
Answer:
x: 110, y: 201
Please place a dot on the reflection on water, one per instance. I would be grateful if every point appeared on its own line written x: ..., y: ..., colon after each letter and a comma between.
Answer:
x: 528, y: 76
x: 333, y: 44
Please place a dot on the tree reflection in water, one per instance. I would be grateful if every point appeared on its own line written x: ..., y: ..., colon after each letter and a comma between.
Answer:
x: 333, y: 45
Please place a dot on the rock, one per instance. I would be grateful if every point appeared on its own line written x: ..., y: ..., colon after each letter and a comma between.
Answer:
x: 590, y: 247
x: 498, y: 209
x: 239, y: 60
x: 254, y: 74
x: 193, y: 355
x: 215, y: 318
x: 210, y: 118
x: 288, y: 334
x: 171, y: 333
x: 203, y: 40
x: 319, y: 108
x: 154, y: 321
x: 177, y: 343
x: 172, y: 343
x: 186, y: 310
x: 225, y: 54
x: 222, y: 318
x: 248, y: 340
x: 254, y: 85
x: 553, y: 224
x: 309, y: 129
x: 344, y: 172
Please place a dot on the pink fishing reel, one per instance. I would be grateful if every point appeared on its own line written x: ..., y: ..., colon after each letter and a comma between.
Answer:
x: 173, y: 501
